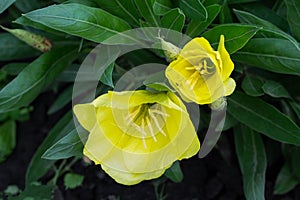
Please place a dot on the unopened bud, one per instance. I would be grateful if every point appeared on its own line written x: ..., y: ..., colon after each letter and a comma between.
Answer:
x: 39, y: 42
x: 171, y: 51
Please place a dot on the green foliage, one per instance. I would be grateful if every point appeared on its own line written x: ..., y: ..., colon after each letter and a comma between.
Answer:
x: 7, y: 139
x: 263, y: 118
x: 253, y: 161
x: 262, y: 39
x: 5, y: 4
x: 72, y: 180
x: 174, y: 173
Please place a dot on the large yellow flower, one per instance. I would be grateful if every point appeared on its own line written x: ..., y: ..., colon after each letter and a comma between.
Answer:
x: 137, y: 135
x: 200, y: 74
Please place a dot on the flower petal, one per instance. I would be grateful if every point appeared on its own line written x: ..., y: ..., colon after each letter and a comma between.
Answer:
x: 131, y: 178
x: 229, y: 86
x: 227, y: 64
x: 86, y: 115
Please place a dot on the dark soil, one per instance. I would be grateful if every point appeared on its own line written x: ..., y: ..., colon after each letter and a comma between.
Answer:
x: 217, y: 176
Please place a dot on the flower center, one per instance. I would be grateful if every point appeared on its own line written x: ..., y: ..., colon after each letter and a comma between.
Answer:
x: 147, y: 120
x: 205, y: 69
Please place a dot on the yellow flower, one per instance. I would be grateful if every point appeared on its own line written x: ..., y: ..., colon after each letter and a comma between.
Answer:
x: 200, y: 74
x: 137, y: 135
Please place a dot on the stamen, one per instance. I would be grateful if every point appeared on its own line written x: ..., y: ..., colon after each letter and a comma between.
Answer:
x: 156, y: 123
x: 151, y: 129
x: 160, y: 112
x: 132, y: 116
x: 190, y: 68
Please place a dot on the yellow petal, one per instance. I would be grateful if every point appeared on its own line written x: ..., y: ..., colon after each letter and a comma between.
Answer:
x: 86, y: 115
x: 229, y: 86
x: 227, y: 64
x: 110, y: 144
x: 196, y: 45
x: 126, y: 178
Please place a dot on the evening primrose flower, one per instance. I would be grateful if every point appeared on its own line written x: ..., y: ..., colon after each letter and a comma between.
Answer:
x: 137, y: 135
x: 201, y: 74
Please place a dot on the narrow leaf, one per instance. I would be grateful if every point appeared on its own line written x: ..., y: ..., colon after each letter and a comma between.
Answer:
x: 285, y: 180
x: 146, y: 10
x: 7, y: 139
x: 195, y: 27
x: 90, y: 23
x: 275, y: 89
x: 293, y: 16
x: 66, y: 147
x: 269, y: 29
x: 174, y: 173
x: 236, y: 35
x: 161, y: 7
x: 253, y: 86
x: 174, y: 20
x: 29, y: 83
x: 253, y: 161
x: 106, y: 77
x: 11, y: 48
x: 194, y: 9
x: 62, y: 100
x: 276, y: 55
x: 39, y: 166
x: 4, y: 4
x: 124, y: 9
x: 263, y: 118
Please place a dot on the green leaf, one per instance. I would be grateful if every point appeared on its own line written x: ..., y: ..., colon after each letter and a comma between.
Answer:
x: 285, y: 180
x: 124, y: 9
x: 31, y: 81
x: 195, y: 27
x: 36, y: 191
x: 263, y: 12
x: 63, y: 99
x: 225, y: 15
x: 14, y: 69
x: 161, y: 7
x: 240, y: 1
x: 269, y: 29
x: 174, y: 173
x: 38, y: 166
x: 263, y: 118
x: 276, y: 55
x: 174, y: 20
x: 275, y: 89
x: 72, y: 180
x: 11, y: 48
x: 295, y: 162
x: 194, y: 9
x: 7, y: 139
x: 296, y: 107
x: 293, y: 16
x: 253, y: 161
x: 253, y: 86
x: 146, y: 10
x: 90, y: 23
x: 106, y: 77
x: 25, y: 6
x: 66, y: 147
x: 236, y: 35
x: 4, y: 4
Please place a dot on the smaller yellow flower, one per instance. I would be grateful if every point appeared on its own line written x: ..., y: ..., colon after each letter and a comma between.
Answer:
x: 201, y: 74
x: 137, y: 135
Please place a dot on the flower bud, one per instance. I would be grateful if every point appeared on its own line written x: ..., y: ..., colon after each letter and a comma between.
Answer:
x: 171, y: 51
x: 39, y: 42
